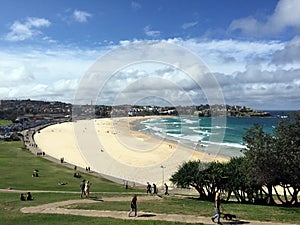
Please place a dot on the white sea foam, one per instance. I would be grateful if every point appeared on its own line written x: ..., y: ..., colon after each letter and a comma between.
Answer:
x: 188, y: 121
x: 205, y: 132
x: 193, y: 138
x: 190, y: 131
x: 233, y: 145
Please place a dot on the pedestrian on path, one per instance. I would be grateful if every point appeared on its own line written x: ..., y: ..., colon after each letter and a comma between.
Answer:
x: 82, y: 188
x: 217, y: 208
x: 148, y: 188
x: 166, y: 189
x: 133, y: 206
x: 154, y: 189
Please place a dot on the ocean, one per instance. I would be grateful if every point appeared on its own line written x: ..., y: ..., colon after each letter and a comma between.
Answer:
x: 200, y: 133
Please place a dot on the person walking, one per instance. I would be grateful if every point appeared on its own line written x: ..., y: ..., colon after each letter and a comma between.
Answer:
x: 82, y: 188
x: 154, y: 189
x: 148, y: 188
x: 217, y: 208
x: 133, y: 206
x: 166, y: 189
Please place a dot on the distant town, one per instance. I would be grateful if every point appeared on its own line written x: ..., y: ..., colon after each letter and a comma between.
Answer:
x: 37, y: 110
x: 34, y: 110
x: 34, y: 115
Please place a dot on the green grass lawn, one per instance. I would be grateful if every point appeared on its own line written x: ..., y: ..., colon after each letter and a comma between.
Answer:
x: 5, y: 122
x: 16, y: 168
x: 189, y: 206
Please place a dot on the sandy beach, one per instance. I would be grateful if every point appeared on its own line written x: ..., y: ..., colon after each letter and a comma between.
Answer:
x: 109, y: 146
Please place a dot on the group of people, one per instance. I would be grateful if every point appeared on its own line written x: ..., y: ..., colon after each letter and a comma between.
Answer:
x: 149, y: 189
x: 85, y: 188
x: 24, y: 197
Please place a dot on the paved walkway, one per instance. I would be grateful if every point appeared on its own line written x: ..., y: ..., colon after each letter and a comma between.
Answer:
x: 56, y: 208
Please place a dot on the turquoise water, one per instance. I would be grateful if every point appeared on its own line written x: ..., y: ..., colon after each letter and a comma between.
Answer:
x: 204, y: 132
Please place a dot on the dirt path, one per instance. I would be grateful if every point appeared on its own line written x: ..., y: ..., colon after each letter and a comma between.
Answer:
x: 56, y: 208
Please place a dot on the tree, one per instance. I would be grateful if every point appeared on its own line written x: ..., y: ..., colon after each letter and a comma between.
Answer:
x: 215, y: 179
x: 206, y: 178
x: 288, y: 144
x: 261, y: 157
x: 237, y: 181
x: 191, y: 174
x: 273, y: 160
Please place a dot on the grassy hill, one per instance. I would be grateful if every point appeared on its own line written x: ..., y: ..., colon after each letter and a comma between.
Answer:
x: 17, y: 166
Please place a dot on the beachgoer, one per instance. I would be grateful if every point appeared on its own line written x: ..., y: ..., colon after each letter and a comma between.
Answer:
x: 154, y: 189
x: 217, y: 208
x: 133, y: 206
x: 166, y: 189
x: 82, y: 187
x: 87, y: 189
x: 77, y: 175
x: 22, y: 197
x: 148, y: 188
x: 29, y: 196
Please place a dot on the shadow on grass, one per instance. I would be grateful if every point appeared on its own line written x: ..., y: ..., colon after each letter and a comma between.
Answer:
x: 96, y: 199
x: 235, y: 222
x: 146, y: 215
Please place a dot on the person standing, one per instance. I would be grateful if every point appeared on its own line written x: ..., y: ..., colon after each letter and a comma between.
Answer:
x: 133, y: 206
x: 82, y: 188
x: 87, y: 189
x: 217, y: 208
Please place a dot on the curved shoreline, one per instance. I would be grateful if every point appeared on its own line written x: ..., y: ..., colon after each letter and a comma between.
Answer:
x: 109, y: 146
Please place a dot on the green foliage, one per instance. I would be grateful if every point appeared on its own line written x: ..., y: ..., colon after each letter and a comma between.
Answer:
x: 5, y: 122
x: 237, y: 182
x: 206, y: 178
x: 191, y: 174
x: 269, y: 162
x: 274, y: 160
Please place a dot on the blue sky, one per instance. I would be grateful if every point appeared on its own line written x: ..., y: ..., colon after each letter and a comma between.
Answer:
x: 252, y: 48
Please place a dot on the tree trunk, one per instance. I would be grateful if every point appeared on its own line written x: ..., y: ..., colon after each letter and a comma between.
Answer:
x: 271, y: 200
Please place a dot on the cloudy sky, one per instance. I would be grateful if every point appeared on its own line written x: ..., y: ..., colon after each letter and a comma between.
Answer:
x: 251, y: 48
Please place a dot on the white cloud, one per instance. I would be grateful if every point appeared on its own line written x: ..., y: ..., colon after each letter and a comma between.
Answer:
x: 262, y: 89
x: 46, y: 74
x: 229, y: 56
x: 28, y: 29
x: 286, y: 15
x: 189, y: 25
x: 136, y: 5
x: 81, y: 16
x: 290, y: 54
x: 151, y: 33
x: 246, y: 71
